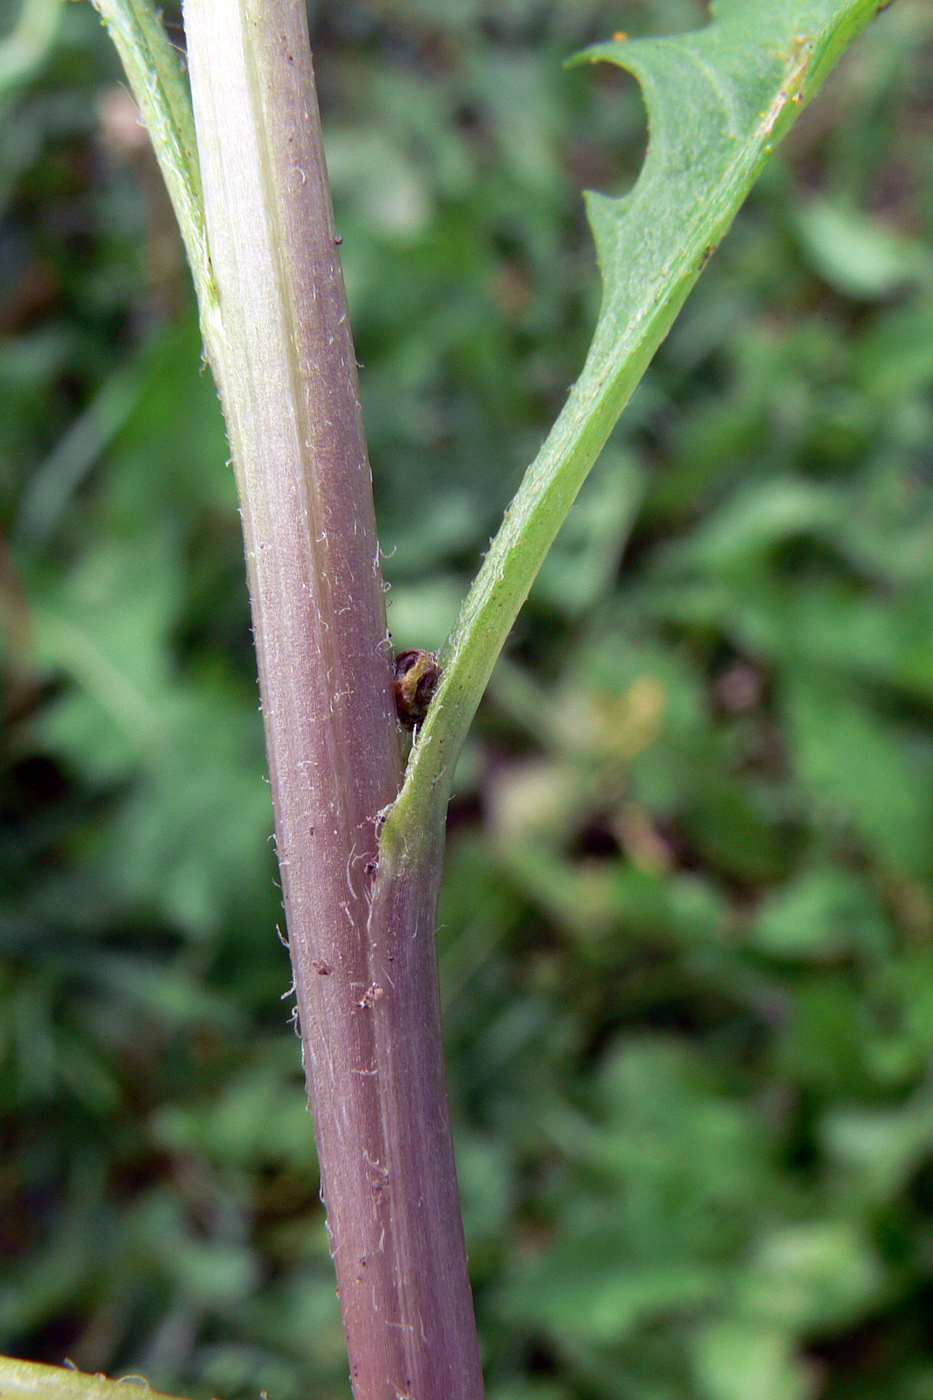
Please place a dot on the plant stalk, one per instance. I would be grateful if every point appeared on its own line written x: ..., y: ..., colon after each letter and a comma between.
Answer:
x: 361, y: 934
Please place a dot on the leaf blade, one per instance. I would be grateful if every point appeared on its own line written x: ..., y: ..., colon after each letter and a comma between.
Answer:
x: 753, y: 70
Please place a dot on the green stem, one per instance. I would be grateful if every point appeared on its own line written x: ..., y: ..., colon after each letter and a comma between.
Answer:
x: 27, y: 1380
x: 157, y: 81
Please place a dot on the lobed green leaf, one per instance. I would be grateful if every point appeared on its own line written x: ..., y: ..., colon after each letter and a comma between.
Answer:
x: 718, y: 101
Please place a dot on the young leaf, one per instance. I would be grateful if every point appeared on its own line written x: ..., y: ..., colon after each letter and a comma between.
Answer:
x: 718, y: 100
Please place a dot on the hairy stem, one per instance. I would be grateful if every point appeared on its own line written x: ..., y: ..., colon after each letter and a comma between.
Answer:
x: 28, y: 1380
x: 362, y: 936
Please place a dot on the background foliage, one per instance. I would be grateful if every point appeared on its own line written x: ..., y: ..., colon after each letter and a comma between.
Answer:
x: 687, y: 928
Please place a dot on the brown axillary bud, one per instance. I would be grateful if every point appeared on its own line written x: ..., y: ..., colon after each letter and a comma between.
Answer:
x: 416, y: 677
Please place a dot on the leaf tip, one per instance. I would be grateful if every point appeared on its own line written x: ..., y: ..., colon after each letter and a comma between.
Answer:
x: 609, y: 51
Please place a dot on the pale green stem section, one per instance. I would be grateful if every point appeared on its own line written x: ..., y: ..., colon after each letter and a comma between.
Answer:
x: 158, y: 83
x: 617, y: 359
x: 531, y: 523
x: 31, y: 1381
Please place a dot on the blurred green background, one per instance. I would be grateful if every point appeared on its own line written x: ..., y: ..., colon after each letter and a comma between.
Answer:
x: 687, y: 926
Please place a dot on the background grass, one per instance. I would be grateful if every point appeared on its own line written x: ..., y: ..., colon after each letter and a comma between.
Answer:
x: 687, y: 927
